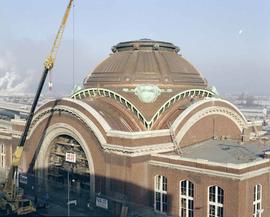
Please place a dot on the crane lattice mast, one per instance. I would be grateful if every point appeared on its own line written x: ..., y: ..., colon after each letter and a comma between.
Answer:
x: 10, y: 188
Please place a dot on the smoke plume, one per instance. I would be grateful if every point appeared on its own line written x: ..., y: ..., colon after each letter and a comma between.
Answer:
x: 11, y: 80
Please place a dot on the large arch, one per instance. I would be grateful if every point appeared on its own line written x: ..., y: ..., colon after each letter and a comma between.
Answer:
x: 198, y: 111
x: 200, y: 103
x: 215, y: 110
x: 41, y: 163
x: 47, y: 111
x: 81, y: 94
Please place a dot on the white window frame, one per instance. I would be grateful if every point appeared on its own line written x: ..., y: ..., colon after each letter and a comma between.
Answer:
x: 216, y: 204
x: 2, y: 156
x: 159, y: 188
x: 257, y: 201
x: 187, y: 197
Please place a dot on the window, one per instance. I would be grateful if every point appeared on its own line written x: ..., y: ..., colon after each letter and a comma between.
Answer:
x: 215, y: 201
x: 257, y: 201
x: 161, y: 198
x: 2, y: 156
x: 186, y: 199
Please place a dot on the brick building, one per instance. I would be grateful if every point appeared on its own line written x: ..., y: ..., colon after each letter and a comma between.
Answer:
x: 146, y: 129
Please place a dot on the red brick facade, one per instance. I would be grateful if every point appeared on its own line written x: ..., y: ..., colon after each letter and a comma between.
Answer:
x: 127, y: 145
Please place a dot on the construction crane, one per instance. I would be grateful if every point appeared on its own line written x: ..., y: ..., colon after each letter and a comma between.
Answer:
x: 11, y: 201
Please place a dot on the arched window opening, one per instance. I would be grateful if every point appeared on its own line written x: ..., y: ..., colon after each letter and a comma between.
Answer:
x: 68, y: 168
x: 215, y: 201
x: 2, y: 156
x: 186, y: 199
x: 161, y: 197
x: 257, y: 201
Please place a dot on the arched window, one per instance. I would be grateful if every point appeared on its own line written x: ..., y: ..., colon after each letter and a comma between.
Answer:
x: 257, y: 201
x: 215, y: 201
x: 186, y: 199
x: 161, y: 198
x: 2, y: 156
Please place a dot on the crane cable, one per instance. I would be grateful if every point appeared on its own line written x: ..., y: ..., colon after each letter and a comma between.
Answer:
x: 73, y: 47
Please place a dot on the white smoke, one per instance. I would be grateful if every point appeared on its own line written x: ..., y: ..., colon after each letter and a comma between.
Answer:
x: 11, y: 81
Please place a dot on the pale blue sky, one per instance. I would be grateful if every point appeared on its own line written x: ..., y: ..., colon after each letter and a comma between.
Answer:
x: 207, y: 32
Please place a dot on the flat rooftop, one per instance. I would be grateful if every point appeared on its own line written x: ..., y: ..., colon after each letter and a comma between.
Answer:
x: 225, y: 151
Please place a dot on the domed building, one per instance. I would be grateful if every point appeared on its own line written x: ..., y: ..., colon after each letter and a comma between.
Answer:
x: 147, y: 131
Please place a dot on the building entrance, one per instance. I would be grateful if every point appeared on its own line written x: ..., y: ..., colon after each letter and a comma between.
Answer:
x: 65, y: 176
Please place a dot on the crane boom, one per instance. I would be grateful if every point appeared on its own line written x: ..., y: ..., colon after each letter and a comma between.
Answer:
x: 49, y: 62
x: 10, y: 188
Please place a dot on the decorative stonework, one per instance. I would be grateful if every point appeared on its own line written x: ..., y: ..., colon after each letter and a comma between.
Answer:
x: 213, y: 110
x: 118, y: 149
x: 198, y: 170
x: 140, y: 151
x: 92, y: 92
x: 147, y: 93
x: 197, y: 104
x: 144, y: 149
x: 70, y: 111
x: 53, y: 132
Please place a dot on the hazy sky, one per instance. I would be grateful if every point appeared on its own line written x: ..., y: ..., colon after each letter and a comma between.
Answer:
x: 227, y: 41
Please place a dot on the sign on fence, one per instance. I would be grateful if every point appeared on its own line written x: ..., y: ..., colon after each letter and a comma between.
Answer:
x: 101, y: 202
x: 72, y: 202
x: 23, y: 179
x: 70, y: 157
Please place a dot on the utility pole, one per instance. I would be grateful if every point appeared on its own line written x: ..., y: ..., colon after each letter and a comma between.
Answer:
x: 70, y: 159
x: 68, y: 193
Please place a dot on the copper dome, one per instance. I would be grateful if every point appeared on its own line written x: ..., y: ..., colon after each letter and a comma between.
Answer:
x: 142, y: 62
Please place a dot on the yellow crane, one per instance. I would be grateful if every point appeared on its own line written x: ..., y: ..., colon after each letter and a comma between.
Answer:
x: 11, y: 201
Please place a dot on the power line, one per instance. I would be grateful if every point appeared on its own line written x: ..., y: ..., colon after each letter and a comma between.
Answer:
x: 73, y: 46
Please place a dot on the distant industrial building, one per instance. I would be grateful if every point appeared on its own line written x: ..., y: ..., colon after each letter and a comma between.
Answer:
x: 146, y: 129
x: 254, y: 113
x: 254, y: 108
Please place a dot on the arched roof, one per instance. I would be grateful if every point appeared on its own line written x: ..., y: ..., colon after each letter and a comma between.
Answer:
x: 111, y: 133
x: 145, y: 61
x: 203, y: 108
x: 105, y: 112
x: 140, y: 112
x: 198, y: 106
x: 131, y: 95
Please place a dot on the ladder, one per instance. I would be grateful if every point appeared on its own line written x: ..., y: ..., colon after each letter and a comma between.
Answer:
x: 177, y: 147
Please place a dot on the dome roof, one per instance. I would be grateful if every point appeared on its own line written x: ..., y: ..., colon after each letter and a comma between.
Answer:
x: 145, y: 62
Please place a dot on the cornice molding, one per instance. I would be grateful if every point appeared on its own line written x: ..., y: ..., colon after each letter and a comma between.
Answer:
x: 209, y: 172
